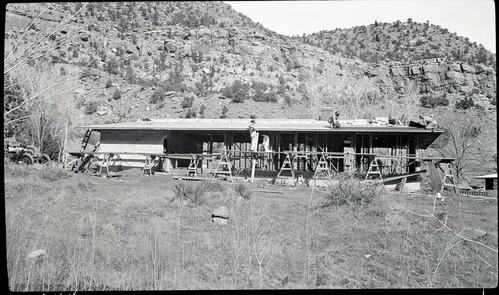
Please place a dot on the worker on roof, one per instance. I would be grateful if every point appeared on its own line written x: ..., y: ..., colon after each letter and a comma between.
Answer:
x: 334, y: 120
x: 428, y: 121
x: 253, y: 135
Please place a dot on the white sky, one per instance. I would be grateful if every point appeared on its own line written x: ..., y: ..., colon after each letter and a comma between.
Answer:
x: 474, y: 19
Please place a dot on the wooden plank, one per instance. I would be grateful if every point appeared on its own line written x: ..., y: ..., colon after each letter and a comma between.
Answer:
x: 403, y: 176
x: 190, y: 178
x: 268, y: 191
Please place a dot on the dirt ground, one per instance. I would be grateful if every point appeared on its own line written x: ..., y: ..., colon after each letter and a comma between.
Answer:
x: 136, y: 226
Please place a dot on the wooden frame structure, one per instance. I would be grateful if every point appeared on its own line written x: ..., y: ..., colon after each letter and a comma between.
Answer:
x: 303, y: 145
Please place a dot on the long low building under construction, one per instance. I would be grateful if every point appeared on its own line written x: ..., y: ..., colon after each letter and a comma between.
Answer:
x: 354, y: 141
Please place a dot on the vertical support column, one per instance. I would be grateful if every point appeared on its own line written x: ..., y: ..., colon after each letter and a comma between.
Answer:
x: 412, y: 152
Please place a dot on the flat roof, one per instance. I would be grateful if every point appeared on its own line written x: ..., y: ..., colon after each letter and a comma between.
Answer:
x: 284, y: 125
x: 488, y: 176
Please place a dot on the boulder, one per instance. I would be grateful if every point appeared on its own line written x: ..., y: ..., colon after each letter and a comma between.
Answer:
x: 415, y: 70
x: 170, y: 46
x: 398, y: 71
x: 454, y: 67
x: 259, y: 35
x: 36, y: 254
x: 456, y: 77
x: 201, y: 47
x: 204, y: 33
x: 84, y: 37
x: 220, y: 216
x: 467, y: 69
x: 242, y: 48
x: 430, y: 68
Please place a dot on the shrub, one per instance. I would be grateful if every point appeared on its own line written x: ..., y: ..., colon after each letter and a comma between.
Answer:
x: 109, y: 83
x: 89, y: 73
x: 202, y: 109
x: 190, y: 114
x: 237, y: 92
x: 91, y: 108
x: 188, y: 193
x: 117, y: 94
x: 225, y: 110
x: 243, y: 190
x: 351, y: 192
x: 187, y: 102
x: 158, y: 95
x: 429, y: 101
x: 112, y: 67
x: 465, y: 103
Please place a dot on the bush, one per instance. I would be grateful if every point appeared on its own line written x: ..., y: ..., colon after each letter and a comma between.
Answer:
x: 465, y: 103
x: 112, y: 67
x: 243, y: 190
x: 117, y: 95
x: 187, y: 102
x: 158, y: 95
x: 91, y: 108
x: 90, y: 73
x: 188, y: 193
x: 428, y: 101
x: 237, y: 92
x: 351, y: 192
x: 109, y: 83
x: 225, y: 110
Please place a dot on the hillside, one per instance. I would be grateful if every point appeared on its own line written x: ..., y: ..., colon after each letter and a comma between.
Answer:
x: 114, y: 61
x: 404, y: 42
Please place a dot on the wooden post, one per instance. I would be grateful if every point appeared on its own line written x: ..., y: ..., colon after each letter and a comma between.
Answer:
x: 253, y: 164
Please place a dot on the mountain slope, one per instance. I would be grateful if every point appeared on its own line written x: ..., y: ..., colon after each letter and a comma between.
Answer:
x: 404, y: 42
x: 137, y: 60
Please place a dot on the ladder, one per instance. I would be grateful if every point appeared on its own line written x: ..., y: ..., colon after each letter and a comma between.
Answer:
x: 193, y: 166
x: 374, y: 170
x: 86, y: 159
x: 224, y: 162
x: 322, y: 170
x: 287, y: 165
x: 149, y: 164
x: 448, y: 179
x: 106, y: 162
x: 86, y: 137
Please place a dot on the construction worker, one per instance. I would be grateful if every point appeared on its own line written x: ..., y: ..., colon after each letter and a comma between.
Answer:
x: 254, y: 138
x: 334, y: 120
x: 266, y: 148
x: 428, y: 121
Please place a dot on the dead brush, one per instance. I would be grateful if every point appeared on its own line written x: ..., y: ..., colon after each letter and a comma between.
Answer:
x: 195, y: 194
x: 243, y: 190
x: 351, y: 192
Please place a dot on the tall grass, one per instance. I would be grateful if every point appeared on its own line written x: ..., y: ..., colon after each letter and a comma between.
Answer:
x: 104, y: 236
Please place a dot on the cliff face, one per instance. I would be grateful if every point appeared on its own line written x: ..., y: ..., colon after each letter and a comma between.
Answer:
x: 151, y: 39
x: 437, y: 75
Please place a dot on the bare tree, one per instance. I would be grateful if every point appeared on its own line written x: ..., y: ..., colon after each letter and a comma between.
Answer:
x: 360, y: 97
x: 46, y: 93
x: 459, y: 142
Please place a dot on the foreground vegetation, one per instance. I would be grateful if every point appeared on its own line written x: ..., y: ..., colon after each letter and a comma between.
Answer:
x: 154, y: 233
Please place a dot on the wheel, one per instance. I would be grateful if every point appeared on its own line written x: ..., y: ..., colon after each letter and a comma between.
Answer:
x: 33, y: 149
x: 27, y: 159
x: 44, y: 159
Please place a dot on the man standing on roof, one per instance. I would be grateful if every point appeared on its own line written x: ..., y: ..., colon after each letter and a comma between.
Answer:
x: 254, y: 146
x: 254, y: 136
x: 334, y: 120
